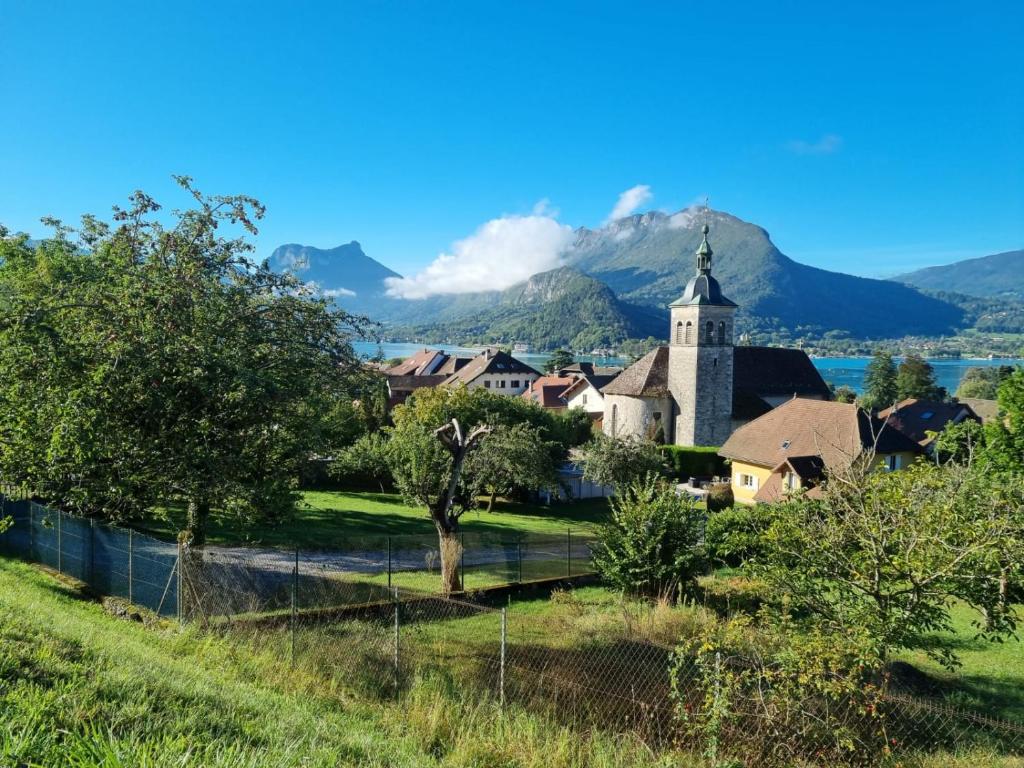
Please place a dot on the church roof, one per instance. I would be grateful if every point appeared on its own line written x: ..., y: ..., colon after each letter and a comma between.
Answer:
x: 647, y: 377
x: 768, y: 371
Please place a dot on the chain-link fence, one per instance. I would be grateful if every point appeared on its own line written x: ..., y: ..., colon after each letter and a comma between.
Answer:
x: 112, y: 561
x: 368, y: 620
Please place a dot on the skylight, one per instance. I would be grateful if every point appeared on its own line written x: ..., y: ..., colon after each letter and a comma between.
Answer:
x: 927, y: 415
x: 785, y: 444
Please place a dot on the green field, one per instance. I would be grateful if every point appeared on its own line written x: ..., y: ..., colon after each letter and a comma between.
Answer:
x: 327, y: 519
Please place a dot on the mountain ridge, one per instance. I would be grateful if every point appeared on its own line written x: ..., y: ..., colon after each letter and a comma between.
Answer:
x: 999, y: 275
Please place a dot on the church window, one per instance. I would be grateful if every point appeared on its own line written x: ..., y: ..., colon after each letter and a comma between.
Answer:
x: 721, y: 333
x: 679, y: 332
x: 615, y: 418
x: 657, y: 415
x: 710, y: 335
x: 689, y: 332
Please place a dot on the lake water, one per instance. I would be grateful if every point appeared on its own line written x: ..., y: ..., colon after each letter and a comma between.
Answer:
x: 835, y: 370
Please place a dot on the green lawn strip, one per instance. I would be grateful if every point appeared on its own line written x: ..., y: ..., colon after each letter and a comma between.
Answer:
x: 331, y: 519
x: 991, y: 678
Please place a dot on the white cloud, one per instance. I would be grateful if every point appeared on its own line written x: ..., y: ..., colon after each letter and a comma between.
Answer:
x: 330, y: 293
x: 826, y: 145
x: 629, y: 201
x: 500, y: 253
x: 683, y: 219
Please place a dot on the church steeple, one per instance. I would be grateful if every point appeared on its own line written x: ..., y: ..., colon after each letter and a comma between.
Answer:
x: 703, y: 288
x: 704, y: 253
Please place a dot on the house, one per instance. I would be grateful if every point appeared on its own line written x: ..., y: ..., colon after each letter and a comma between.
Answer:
x: 796, y: 444
x: 585, y: 391
x: 547, y: 391
x: 986, y: 410
x: 495, y: 370
x: 492, y: 369
x: 700, y: 387
x: 921, y: 419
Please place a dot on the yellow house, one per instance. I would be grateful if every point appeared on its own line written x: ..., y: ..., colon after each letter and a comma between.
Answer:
x: 794, y: 445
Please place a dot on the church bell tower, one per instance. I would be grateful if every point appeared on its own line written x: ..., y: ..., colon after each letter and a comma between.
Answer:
x: 700, y: 357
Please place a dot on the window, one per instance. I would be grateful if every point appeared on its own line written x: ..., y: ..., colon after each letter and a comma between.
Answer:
x: 584, y: 400
x: 689, y: 332
x: 487, y: 384
x: 710, y: 333
x: 789, y: 481
x: 748, y: 481
x: 514, y: 384
x: 657, y: 415
x: 615, y: 418
x: 892, y: 462
x: 679, y: 332
x: 501, y: 384
x: 721, y: 333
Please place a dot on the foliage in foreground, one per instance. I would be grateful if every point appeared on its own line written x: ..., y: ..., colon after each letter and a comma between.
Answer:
x: 888, y: 552
x: 144, y: 364
x: 651, y: 546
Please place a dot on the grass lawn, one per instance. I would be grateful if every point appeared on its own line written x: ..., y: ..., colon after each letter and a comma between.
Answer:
x: 329, y: 519
x: 991, y: 678
x: 79, y: 687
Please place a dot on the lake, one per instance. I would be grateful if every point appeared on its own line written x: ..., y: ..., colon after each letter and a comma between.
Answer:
x: 835, y: 370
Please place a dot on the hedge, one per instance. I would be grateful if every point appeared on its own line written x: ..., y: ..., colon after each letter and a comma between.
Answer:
x: 693, y: 461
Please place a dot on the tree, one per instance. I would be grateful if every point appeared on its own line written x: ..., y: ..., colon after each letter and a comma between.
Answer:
x: 512, y: 457
x: 880, y: 389
x: 1005, y: 436
x: 983, y: 382
x: 844, y: 394
x: 620, y: 461
x: 652, y: 545
x: 560, y: 358
x: 888, y: 552
x: 915, y: 377
x: 144, y: 365
x: 433, y: 450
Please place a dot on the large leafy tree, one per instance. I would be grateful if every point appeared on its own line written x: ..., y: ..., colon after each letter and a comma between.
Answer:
x: 915, y: 377
x: 151, y: 362
x: 620, y: 461
x: 442, y: 457
x: 880, y: 390
x: 1005, y: 436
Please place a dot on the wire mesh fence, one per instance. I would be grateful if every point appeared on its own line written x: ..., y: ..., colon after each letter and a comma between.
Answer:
x: 369, y: 620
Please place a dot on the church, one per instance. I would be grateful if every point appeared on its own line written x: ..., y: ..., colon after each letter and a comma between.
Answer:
x: 701, y: 387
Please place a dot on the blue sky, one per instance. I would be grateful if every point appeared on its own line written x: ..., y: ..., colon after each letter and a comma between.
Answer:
x: 865, y: 137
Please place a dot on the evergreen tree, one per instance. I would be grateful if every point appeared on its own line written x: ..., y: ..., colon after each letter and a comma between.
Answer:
x: 916, y: 378
x: 560, y: 358
x: 880, y: 390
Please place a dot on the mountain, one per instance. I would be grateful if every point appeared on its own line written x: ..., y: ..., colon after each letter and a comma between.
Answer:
x: 559, y: 308
x: 647, y: 258
x: 345, y: 273
x: 1000, y: 275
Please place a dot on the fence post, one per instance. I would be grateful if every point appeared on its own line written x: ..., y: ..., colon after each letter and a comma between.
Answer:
x: 295, y: 595
x: 130, y: 572
x: 92, y: 551
x: 568, y: 552
x: 519, y: 557
x: 31, y: 533
x: 504, y: 642
x: 178, y: 595
x: 389, y: 563
x: 60, y: 543
x: 397, y: 659
x: 462, y: 564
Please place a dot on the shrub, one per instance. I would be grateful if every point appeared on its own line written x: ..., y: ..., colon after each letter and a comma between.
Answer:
x: 652, y: 544
x: 780, y: 693
x: 720, y: 497
x: 364, y: 464
x: 685, y: 461
x: 617, y: 461
x: 733, y: 536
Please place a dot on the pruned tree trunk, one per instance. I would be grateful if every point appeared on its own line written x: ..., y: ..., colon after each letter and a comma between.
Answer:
x: 451, y: 559
x: 491, y: 500
x: 444, y: 512
x: 197, y: 521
